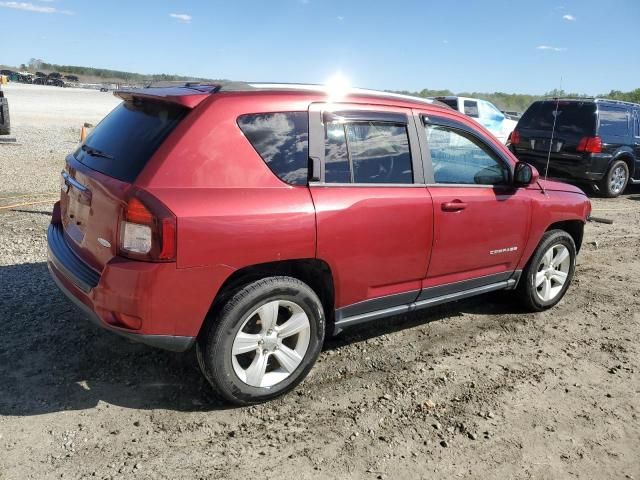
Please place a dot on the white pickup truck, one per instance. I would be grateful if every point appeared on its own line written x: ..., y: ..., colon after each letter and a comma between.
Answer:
x: 483, y: 112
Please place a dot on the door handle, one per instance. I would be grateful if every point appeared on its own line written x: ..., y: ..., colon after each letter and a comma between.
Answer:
x: 454, y: 206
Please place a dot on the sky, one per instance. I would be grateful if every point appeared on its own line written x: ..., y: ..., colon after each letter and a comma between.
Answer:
x: 586, y: 46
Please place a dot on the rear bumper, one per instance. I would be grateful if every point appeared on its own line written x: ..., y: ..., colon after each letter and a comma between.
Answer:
x: 103, y: 296
x: 591, y: 168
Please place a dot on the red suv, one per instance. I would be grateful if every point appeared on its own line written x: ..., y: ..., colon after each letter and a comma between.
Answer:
x: 251, y: 219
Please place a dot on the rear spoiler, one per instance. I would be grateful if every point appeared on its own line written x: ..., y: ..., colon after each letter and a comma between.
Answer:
x: 186, y: 96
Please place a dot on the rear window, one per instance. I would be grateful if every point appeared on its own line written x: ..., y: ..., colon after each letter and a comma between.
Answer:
x: 452, y: 102
x: 614, y: 122
x: 471, y: 108
x: 124, y: 141
x: 282, y: 140
x: 572, y: 117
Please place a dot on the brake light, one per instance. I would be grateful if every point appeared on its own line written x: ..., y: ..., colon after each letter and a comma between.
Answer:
x: 590, y: 145
x: 147, y: 229
x: 515, y: 137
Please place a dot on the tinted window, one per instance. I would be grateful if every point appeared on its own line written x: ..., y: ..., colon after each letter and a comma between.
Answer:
x: 471, y: 108
x: 637, y: 129
x: 282, y: 140
x: 572, y: 117
x: 367, y: 152
x: 452, y: 102
x: 122, y: 144
x: 614, y: 122
x: 459, y: 158
x: 336, y: 156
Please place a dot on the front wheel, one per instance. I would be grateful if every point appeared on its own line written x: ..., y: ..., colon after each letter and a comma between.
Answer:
x: 615, y: 181
x: 546, y: 278
x: 264, y: 342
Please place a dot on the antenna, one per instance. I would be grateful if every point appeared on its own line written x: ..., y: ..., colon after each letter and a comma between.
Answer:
x: 553, y: 131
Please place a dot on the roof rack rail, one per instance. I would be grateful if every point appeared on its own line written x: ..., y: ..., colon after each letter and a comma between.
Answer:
x: 594, y: 99
x: 309, y: 87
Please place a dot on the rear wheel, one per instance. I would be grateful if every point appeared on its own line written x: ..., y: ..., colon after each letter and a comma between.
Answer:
x: 264, y: 341
x: 615, y: 181
x: 546, y: 278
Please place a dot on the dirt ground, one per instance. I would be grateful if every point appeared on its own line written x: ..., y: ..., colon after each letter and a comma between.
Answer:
x: 475, y: 389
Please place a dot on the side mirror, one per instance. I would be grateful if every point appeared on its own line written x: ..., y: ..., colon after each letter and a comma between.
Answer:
x: 525, y: 174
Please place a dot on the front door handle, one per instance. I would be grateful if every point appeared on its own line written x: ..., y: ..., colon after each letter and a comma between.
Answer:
x: 454, y: 206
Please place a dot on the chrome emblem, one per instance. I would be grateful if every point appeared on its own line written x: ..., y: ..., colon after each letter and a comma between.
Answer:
x: 104, y: 242
x: 503, y: 250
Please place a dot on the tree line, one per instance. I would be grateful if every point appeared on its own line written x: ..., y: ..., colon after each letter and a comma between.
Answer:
x: 519, y: 102
x: 105, y: 73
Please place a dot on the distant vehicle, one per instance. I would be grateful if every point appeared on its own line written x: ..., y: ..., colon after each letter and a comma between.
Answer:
x: 40, y: 74
x: 5, y: 124
x: 71, y: 78
x: 596, y: 141
x: 330, y: 215
x: 483, y: 112
x: 54, y: 75
x: 8, y: 73
x: 512, y: 115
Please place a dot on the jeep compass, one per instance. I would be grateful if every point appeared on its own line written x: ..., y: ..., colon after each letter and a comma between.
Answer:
x: 250, y: 220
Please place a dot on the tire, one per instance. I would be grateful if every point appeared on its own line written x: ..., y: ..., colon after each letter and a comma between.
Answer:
x: 5, y: 123
x: 615, y: 181
x: 538, y: 296
x: 246, y: 357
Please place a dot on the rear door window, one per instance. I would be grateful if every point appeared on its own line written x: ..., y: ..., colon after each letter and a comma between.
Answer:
x: 571, y: 117
x: 124, y: 141
x: 367, y: 152
x: 614, y: 122
x: 282, y: 140
x: 471, y: 108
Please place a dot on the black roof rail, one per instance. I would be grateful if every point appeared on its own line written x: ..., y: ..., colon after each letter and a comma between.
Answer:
x: 594, y: 99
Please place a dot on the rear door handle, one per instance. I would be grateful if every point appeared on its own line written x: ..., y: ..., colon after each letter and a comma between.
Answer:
x: 454, y: 206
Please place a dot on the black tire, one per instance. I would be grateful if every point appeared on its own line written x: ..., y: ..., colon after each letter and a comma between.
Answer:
x: 215, y: 342
x: 527, y: 290
x: 5, y: 123
x: 606, y: 188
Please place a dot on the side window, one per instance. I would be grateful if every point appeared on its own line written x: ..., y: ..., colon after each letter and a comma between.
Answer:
x: 614, y: 122
x: 471, y: 108
x: 367, y: 152
x: 282, y: 140
x: 461, y: 159
x: 637, y: 127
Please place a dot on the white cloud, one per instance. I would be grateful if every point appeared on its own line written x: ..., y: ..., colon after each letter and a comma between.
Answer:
x: 30, y: 7
x: 569, y: 18
x: 553, y: 49
x: 181, y: 17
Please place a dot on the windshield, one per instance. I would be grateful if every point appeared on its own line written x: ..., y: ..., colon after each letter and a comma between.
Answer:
x: 572, y: 117
x: 122, y: 144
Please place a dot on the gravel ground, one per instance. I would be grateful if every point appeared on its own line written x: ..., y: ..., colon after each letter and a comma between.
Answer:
x: 475, y: 389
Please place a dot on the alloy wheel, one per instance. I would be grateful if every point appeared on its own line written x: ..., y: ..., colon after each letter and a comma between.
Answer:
x: 552, y: 272
x: 618, y: 179
x: 271, y: 343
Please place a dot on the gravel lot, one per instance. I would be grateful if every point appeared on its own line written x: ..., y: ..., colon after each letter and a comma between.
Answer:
x: 475, y: 389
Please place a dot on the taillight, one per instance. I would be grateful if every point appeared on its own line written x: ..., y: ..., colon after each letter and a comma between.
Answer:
x: 590, y: 145
x: 515, y: 137
x: 147, y: 229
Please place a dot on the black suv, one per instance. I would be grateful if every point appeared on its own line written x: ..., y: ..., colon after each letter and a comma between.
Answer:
x: 596, y: 141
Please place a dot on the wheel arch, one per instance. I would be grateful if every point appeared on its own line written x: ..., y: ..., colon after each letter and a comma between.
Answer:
x: 627, y: 157
x: 575, y: 228
x: 314, y: 272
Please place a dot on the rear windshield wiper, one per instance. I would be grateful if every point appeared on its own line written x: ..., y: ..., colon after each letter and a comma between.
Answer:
x: 94, y: 152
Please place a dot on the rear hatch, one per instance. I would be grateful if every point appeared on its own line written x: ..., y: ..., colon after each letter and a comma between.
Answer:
x: 99, y: 174
x: 574, y: 120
